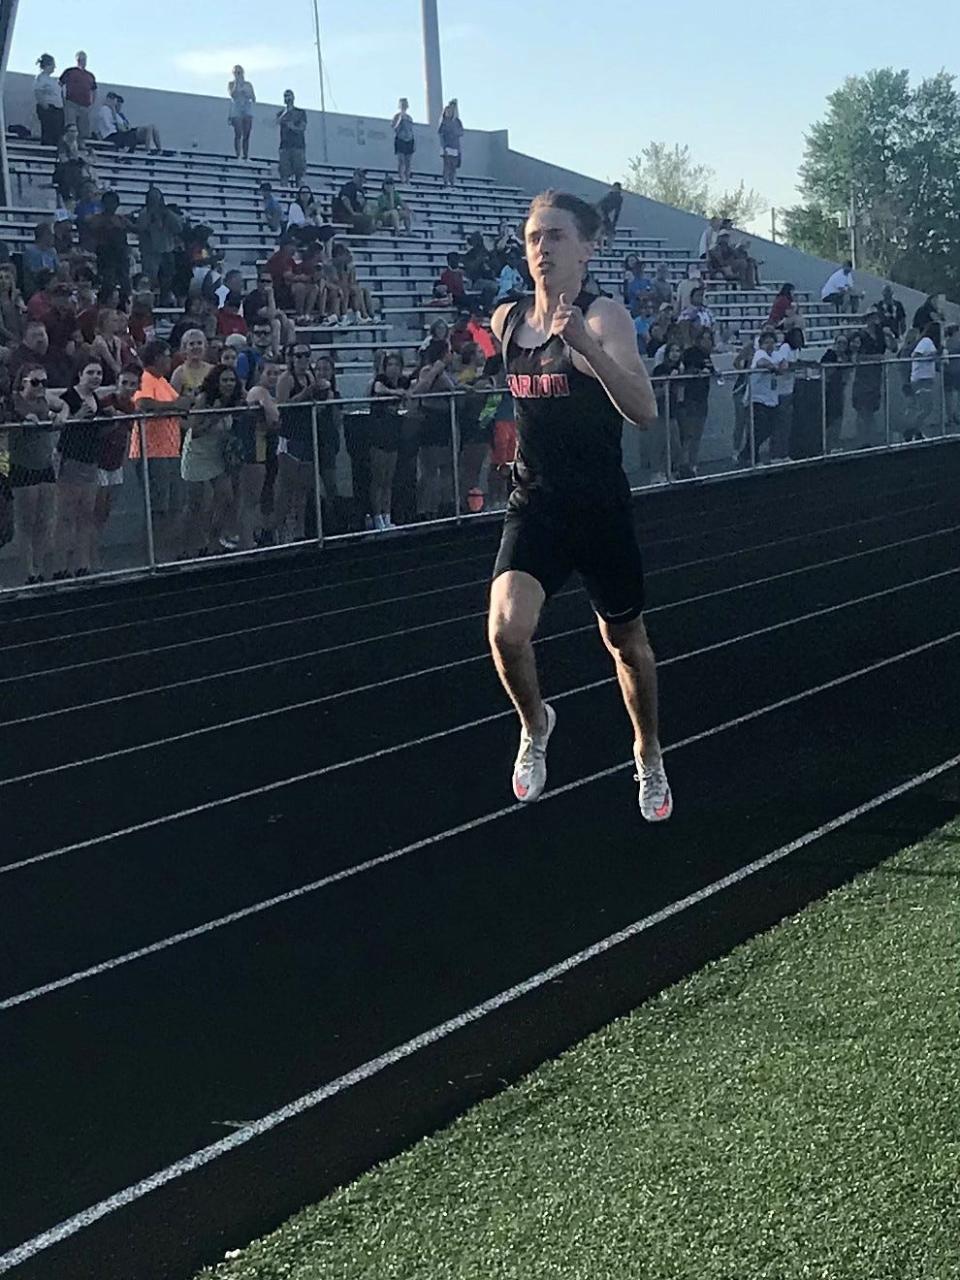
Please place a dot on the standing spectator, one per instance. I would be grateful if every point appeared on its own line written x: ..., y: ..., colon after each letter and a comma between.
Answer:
x: 72, y: 171
x: 114, y: 445
x: 435, y: 489
x: 109, y: 231
x: 191, y: 373
x: 665, y: 449
x: 785, y: 311
x: 39, y: 256
x: 156, y: 395
x: 892, y: 312
x: 923, y: 377
x: 350, y: 205
x: 111, y: 345
x: 763, y: 396
x: 79, y: 95
x: 696, y: 312
x: 293, y: 139
x: 240, y: 115
x: 839, y: 289
x: 303, y: 210
x: 786, y: 357
x: 391, y: 211
x: 203, y: 467
x: 951, y: 373
x: 253, y: 429
x: 270, y: 208
x: 157, y: 230
x: 389, y: 392
x: 868, y: 379
x: 53, y: 305
x: 609, y: 210
x: 113, y: 126
x: 260, y: 349
x: 837, y: 358
x: 692, y: 410
x: 48, y: 95
x: 741, y: 396
x: 297, y: 386
x: 38, y: 415
x: 451, y: 133
x: 474, y: 442
x: 404, y: 140
x: 661, y: 288
x: 930, y: 312
x: 77, y: 482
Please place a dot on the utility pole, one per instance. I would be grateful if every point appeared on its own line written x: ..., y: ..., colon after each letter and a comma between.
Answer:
x: 852, y: 225
x: 773, y: 224
x: 431, y: 61
x: 323, y: 97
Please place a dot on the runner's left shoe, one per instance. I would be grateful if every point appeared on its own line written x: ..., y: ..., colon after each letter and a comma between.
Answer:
x: 656, y: 798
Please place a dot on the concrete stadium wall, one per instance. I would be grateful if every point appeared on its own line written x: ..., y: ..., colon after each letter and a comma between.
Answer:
x: 196, y: 122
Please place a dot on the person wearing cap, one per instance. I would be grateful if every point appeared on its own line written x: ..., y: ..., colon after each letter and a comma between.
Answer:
x: 113, y: 126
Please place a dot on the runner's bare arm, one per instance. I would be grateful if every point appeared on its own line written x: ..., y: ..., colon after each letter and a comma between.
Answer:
x: 606, y: 341
x: 499, y: 319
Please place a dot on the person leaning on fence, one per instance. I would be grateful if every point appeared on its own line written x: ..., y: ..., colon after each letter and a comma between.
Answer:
x: 923, y: 380
x: 38, y: 415
x: 836, y: 378
x: 764, y: 400
x: 204, y: 464
x: 114, y: 445
x: 474, y: 443
x: 77, y: 481
x: 435, y: 488
x: 157, y: 396
x: 389, y: 394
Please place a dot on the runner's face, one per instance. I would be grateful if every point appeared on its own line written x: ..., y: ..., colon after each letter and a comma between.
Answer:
x: 556, y: 254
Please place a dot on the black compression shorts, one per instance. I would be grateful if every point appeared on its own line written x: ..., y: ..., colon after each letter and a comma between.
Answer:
x: 551, y: 540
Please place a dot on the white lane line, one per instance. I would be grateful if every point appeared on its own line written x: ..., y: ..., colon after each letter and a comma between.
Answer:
x: 349, y: 873
x: 324, y: 614
x: 467, y: 617
x: 349, y: 582
x: 256, y: 1128
x: 323, y: 699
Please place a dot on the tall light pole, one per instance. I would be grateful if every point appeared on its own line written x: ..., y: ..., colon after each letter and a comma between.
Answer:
x: 431, y: 61
x: 323, y: 96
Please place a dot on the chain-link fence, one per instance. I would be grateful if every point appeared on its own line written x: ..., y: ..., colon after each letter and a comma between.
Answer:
x: 84, y: 493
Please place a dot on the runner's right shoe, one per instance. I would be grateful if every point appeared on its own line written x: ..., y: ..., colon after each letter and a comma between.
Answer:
x: 530, y: 768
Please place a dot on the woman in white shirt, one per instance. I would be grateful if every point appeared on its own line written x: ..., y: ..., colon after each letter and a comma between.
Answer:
x: 303, y: 210
x: 48, y: 95
x: 923, y: 380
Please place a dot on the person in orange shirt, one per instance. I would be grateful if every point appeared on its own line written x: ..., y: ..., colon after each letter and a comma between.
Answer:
x: 163, y: 440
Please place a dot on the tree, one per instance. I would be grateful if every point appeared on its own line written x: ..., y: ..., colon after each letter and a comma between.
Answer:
x: 891, y: 155
x: 670, y: 174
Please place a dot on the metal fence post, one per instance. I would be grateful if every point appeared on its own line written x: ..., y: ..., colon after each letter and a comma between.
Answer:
x: 753, y: 432
x: 147, y: 504
x: 943, y: 396
x: 823, y: 412
x: 455, y: 449
x: 317, y: 500
x: 886, y: 404
x: 668, y: 424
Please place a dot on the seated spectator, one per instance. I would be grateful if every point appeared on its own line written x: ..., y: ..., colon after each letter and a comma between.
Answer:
x: 39, y: 415
x: 506, y: 242
x: 661, y: 288
x: 708, y: 237
x: 293, y: 287
x: 609, y: 209
x: 114, y: 445
x: 638, y: 283
x: 643, y: 319
x: 838, y: 290
x: 303, y: 210
x: 356, y: 297
x: 510, y: 285
x: 229, y: 319
x: 930, y: 312
x: 697, y: 312
x: 270, y: 208
x: 785, y: 311
x: 686, y: 287
x: 72, y: 169
x: 232, y: 283
x: 479, y: 264
x: 13, y: 309
x: 350, y: 205
x: 157, y: 396
x: 453, y: 282
x: 113, y: 126
x: 48, y: 96
x: 292, y: 121
x: 38, y: 257
x: 259, y: 306
x: 892, y: 312
x: 461, y: 335
x: 390, y: 210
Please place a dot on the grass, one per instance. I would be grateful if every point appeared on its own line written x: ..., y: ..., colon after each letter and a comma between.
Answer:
x: 791, y: 1112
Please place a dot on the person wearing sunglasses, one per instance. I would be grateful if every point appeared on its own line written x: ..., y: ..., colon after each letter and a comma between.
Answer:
x: 38, y: 414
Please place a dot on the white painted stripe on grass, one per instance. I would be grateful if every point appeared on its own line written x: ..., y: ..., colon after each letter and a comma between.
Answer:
x: 468, y: 617
x: 197, y: 1159
x: 348, y: 873
x: 302, y: 705
x: 485, y: 581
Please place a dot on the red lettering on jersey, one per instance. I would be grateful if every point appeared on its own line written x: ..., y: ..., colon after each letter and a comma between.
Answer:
x: 559, y: 384
x: 537, y: 386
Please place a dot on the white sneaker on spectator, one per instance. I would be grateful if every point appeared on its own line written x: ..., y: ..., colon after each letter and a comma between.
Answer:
x: 656, y: 799
x: 229, y: 544
x: 387, y: 522
x: 330, y: 321
x: 530, y: 767
x: 378, y: 524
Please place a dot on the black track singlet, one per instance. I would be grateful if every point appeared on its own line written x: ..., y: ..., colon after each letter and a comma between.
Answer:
x: 568, y: 431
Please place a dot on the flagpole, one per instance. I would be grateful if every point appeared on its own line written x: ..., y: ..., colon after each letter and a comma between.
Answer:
x: 323, y: 98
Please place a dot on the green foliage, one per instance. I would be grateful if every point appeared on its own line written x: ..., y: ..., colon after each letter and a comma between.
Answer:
x: 894, y: 152
x: 670, y: 174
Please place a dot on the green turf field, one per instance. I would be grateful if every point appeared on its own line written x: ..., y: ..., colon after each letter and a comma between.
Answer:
x: 791, y: 1112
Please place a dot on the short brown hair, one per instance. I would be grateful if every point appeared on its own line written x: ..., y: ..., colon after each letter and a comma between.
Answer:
x: 584, y: 215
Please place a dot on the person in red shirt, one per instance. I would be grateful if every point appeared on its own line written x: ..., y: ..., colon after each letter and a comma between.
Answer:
x: 229, y: 319
x: 112, y: 449
x: 293, y: 286
x: 452, y: 279
x: 79, y: 95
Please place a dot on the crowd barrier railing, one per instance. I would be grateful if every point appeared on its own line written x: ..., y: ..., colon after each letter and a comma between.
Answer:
x: 227, y: 481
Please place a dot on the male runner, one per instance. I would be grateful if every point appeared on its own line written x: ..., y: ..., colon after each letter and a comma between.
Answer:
x: 574, y: 371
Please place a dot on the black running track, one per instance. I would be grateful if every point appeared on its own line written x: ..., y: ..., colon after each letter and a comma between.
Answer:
x: 184, y: 748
